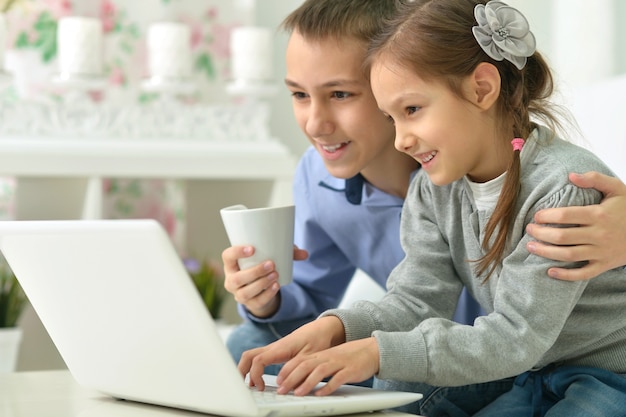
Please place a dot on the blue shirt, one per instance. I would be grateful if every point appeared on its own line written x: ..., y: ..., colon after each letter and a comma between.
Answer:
x: 344, y: 225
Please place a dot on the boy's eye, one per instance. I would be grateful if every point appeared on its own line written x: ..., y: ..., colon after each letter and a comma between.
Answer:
x: 298, y: 95
x: 341, y: 94
x: 390, y: 119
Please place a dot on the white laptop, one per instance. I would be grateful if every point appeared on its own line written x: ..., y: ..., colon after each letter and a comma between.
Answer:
x: 126, y: 318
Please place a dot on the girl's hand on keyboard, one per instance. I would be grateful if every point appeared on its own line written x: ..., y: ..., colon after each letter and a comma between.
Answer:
x: 349, y: 362
x: 313, y: 337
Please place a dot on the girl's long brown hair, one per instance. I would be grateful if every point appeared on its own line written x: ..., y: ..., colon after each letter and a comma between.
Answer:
x: 434, y: 38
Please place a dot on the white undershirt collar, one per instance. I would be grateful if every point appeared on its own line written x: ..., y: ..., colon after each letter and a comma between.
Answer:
x: 486, y: 194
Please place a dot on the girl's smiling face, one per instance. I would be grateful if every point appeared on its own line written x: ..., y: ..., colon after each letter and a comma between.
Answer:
x: 448, y: 135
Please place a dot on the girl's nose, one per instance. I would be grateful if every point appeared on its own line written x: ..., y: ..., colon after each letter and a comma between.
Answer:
x: 404, y: 142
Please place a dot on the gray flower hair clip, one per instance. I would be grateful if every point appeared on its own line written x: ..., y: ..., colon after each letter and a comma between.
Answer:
x: 503, y: 33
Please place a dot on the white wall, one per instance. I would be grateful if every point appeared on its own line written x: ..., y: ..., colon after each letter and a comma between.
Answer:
x: 600, y: 110
x: 586, y: 47
x: 270, y: 13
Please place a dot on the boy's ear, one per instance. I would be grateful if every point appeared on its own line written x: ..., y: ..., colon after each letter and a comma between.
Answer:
x: 485, y: 85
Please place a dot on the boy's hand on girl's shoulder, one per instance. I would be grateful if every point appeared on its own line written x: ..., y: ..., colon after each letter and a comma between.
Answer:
x: 599, y: 239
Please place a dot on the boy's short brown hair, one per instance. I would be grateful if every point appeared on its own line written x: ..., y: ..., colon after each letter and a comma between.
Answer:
x: 359, y: 19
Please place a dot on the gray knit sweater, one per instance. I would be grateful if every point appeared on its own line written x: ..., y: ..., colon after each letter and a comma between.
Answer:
x: 532, y: 320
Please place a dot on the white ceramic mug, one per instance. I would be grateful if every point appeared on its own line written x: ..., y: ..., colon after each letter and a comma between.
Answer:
x: 269, y: 230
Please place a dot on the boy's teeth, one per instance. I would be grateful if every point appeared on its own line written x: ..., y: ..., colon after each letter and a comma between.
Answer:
x: 332, y: 148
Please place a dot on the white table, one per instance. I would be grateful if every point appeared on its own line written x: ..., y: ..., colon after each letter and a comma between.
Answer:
x: 56, y: 394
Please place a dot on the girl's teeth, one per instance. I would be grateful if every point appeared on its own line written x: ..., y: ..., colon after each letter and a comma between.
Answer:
x: 429, y: 156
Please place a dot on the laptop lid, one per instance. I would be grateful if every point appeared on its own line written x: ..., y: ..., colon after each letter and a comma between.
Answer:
x: 121, y: 309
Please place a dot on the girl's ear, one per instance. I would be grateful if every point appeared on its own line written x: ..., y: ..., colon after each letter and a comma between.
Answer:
x: 485, y: 85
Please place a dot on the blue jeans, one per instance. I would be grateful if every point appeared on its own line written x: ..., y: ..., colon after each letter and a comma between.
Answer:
x: 551, y: 392
x: 571, y: 391
x: 463, y: 401
x: 250, y: 335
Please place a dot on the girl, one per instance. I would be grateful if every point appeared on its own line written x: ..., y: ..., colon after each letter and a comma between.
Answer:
x: 466, y: 90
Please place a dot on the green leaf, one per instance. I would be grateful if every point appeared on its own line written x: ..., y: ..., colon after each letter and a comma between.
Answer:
x: 134, y: 188
x: 210, y: 288
x: 12, y: 298
x: 114, y: 186
x: 45, y: 21
x: 204, y: 63
x: 49, y: 51
x: 145, y: 98
x: 46, y: 27
x: 133, y: 30
x: 126, y: 47
x: 22, y: 40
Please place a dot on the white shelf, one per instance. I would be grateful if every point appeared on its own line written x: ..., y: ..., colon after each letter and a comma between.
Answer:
x: 142, y: 158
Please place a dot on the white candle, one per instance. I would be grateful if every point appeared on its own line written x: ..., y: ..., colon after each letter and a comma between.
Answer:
x: 251, y: 53
x: 169, y: 50
x: 79, y: 43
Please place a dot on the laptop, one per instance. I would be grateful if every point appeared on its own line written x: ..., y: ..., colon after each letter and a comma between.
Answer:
x: 128, y: 321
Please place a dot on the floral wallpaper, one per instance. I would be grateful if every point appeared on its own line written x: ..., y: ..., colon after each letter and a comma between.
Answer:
x: 31, y: 53
x: 32, y: 26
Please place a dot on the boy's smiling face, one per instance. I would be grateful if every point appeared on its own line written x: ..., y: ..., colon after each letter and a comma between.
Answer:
x: 334, y: 105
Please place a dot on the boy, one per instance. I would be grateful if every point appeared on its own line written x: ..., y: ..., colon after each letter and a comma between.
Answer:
x: 349, y: 186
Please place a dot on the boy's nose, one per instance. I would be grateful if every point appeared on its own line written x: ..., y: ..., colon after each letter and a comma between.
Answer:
x: 319, y: 123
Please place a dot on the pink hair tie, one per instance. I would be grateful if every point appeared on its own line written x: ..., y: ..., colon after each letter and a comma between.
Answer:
x: 518, y: 144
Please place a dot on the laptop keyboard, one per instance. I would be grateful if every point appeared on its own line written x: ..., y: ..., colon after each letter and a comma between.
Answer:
x: 271, y: 396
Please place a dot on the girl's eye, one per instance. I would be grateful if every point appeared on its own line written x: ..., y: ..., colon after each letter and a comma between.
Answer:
x: 341, y: 94
x: 390, y: 119
x: 412, y: 109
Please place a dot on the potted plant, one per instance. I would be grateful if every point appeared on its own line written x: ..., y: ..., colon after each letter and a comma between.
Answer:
x: 12, y: 303
x: 208, y: 280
